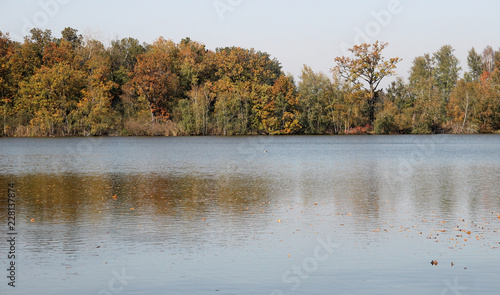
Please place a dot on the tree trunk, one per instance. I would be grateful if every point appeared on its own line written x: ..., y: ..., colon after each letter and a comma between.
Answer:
x: 466, y: 111
x: 371, y: 104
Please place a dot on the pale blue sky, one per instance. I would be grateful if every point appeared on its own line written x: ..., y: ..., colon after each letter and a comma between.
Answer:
x: 296, y: 32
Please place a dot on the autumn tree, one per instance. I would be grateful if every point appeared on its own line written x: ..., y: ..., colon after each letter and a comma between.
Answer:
x: 464, y: 106
x: 68, y: 86
x: 155, y: 77
x: 367, y: 67
x: 242, y: 86
x: 49, y: 98
x: 282, y: 113
x: 195, y: 64
x: 489, y: 102
x: 239, y: 64
x: 29, y: 55
x: 7, y: 88
x: 94, y: 113
x: 61, y: 52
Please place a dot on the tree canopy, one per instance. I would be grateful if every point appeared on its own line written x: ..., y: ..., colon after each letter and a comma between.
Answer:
x: 76, y: 86
x: 367, y: 66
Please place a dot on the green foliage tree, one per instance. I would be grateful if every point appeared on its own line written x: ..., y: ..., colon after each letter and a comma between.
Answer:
x: 475, y: 63
x: 427, y: 113
x: 446, y: 70
x: 71, y: 36
x: 314, y: 98
x: 395, y: 115
x: 123, y: 55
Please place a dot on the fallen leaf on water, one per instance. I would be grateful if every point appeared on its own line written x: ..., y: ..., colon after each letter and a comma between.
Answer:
x: 32, y: 220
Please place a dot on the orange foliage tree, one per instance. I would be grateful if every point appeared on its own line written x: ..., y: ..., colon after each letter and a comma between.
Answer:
x: 367, y: 66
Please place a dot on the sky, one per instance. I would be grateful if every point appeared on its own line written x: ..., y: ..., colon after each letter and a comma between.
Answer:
x: 296, y: 32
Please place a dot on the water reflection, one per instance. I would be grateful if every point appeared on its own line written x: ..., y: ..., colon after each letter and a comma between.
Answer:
x: 174, y: 212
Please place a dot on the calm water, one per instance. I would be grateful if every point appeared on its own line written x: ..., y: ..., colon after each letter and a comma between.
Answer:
x: 253, y: 215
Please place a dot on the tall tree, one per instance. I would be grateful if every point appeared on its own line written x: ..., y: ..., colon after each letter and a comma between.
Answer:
x: 71, y: 35
x: 475, y: 63
x: 123, y: 54
x: 427, y: 113
x: 489, y: 59
x: 446, y: 70
x: 367, y: 66
x: 422, y: 69
x: 195, y: 66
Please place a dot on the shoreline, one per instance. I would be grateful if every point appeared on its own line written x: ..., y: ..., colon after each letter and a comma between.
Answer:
x: 255, y: 135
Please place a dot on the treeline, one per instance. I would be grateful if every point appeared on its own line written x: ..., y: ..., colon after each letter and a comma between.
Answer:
x: 71, y: 86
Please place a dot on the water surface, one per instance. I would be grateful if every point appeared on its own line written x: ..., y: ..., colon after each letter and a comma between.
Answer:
x: 254, y: 215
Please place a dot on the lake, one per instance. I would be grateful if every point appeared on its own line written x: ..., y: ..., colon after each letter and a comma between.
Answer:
x: 252, y: 215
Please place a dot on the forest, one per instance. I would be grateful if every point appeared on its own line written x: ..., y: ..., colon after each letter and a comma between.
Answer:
x: 76, y: 86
